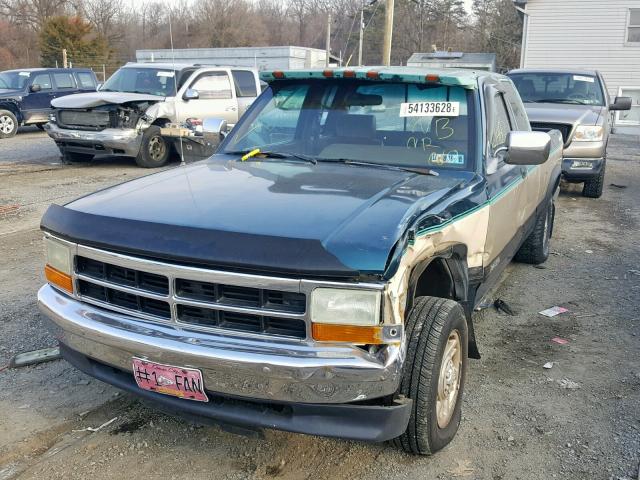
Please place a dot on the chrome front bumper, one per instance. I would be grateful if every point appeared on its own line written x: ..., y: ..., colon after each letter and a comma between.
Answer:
x: 257, y: 368
x: 109, y: 141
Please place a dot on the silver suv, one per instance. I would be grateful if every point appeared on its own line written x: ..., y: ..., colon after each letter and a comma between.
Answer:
x: 575, y: 102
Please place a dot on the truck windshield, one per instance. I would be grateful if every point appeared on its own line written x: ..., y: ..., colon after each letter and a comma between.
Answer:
x: 569, y: 88
x: 14, y: 80
x: 398, y: 124
x: 152, y: 81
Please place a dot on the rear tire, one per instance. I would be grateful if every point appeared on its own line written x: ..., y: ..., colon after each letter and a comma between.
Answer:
x: 535, y: 249
x: 593, y: 188
x: 434, y: 373
x: 8, y: 124
x: 154, y: 151
x: 40, y: 126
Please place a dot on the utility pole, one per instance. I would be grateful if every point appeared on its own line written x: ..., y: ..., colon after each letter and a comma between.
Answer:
x: 361, y: 35
x: 328, y: 43
x: 388, y: 34
x: 64, y: 58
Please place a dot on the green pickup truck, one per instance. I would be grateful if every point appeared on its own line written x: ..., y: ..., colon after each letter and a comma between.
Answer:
x: 318, y: 274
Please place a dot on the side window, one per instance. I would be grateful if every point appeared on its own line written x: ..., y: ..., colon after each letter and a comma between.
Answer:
x: 245, y: 83
x: 520, y: 118
x: 86, y: 80
x: 500, y: 126
x: 64, y: 80
x: 213, y: 86
x: 42, y: 79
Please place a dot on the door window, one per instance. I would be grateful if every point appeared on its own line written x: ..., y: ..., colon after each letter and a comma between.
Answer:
x: 64, y: 80
x: 86, y: 80
x: 500, y: 126
x: 245, y: 83
x: 213, y: 86
x: 42, y: 79
x: 520, y: 118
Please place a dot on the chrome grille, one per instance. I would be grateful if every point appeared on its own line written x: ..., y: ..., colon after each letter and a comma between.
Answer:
x: 84, y: 119
x: 191, y: 297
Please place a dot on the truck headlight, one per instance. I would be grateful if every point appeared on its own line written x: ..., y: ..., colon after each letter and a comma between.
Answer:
x: 589, y: 133
x: 347, y: 315
x: 58, y: 267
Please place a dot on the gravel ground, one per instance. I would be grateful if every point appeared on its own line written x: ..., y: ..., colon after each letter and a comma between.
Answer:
x: 577, y: 420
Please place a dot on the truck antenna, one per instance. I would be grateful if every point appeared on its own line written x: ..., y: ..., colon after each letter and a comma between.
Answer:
x: 175, y: 86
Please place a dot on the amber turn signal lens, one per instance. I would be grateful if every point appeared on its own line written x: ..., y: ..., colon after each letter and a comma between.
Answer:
x: 58, y: 278
x: 326, y: 332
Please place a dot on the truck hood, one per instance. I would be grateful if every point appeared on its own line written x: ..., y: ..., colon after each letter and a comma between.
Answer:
x: 96, y: 99
x: 322, y: 220
x: 564, y: 113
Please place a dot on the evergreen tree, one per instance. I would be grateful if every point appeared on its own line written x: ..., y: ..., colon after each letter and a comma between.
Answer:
x: 84, y: 47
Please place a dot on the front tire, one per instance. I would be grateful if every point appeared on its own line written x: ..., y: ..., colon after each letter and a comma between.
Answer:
x: 535, y: 249
x: 593, y: 188
x: 154, y: 151
x: 434, y: 374
x: 8, y: 124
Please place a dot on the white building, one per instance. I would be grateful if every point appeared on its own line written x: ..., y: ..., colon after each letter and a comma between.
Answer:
x: 261, y: 58
x: 587, y: 34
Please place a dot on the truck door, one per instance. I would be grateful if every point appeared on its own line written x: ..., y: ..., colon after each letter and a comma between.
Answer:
x: 37, y: 105
x: 216, y: 98
x: 504, y: 185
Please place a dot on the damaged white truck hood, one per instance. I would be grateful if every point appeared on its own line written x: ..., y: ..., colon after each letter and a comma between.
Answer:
x: 96, y: 99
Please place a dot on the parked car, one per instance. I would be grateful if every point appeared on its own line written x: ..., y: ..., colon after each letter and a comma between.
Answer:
x: 125, y: 117
x: 576, y: 103
x: 319, y: 276
x: 26, y: 94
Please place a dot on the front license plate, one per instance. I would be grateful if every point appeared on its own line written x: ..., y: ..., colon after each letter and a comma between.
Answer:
x: 176, y: 381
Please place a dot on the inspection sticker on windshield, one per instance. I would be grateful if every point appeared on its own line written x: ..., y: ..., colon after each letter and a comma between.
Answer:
x: 430, y: 109
x: 446, y: 159
x: 165, y: 74
x: 580, y: 78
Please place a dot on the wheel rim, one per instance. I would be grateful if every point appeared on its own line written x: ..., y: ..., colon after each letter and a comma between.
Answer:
x: 157, y: 148
x: 449, y: 379
x: 6, y: 124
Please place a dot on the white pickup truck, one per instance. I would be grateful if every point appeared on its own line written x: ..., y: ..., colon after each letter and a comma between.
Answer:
x: 125, y: 116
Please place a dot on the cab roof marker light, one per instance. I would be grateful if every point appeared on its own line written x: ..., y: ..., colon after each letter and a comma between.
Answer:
x: 327, y: 73
x: 432, y: 78
x: 373, y: 75
x: 349, y: 74
x: 277, y: 74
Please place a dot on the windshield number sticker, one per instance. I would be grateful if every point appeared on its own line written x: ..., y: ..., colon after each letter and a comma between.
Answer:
x: 430, y: 109
x: 446, y: 159
x: 165, y: 74
x: 580, y: 78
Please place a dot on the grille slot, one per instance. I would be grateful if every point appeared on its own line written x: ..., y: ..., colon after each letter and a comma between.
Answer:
x: 149, y: 306
x: 241, y: 322
x: 565, y: 129
x: 232, y: 295
x: 122, y: 276
x: 84, y: 119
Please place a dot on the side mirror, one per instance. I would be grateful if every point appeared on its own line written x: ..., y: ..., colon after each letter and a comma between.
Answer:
x: 214, y: 129
x: 35, y: 88
x: 621, y: 103
x: 191, y: 94
x: 527, y: 148
x: 99, y: 86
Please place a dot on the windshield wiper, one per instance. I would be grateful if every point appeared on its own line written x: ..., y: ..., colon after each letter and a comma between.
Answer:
x: 560, y: 100
x: 272, y: 154
x: 358, y: 163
